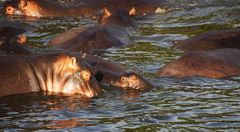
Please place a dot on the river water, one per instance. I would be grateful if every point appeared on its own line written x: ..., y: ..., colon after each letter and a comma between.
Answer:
x: 188, y: 104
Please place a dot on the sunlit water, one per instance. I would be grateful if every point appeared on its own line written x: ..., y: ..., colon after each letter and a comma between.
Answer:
x: 189, y: 104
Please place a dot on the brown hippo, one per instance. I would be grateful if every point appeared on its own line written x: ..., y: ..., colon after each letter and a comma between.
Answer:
x: 10, y: 29
x: 109, y: 73
x: 116, y: 75
x: 52, y: 73
x: 119, y: 17
x: 91, y: 39
x: 211, y: 40
x: 108, y: 35
x: 142, y: 6
x: 48, y: 8
x: 213, y: 64
x: 12, y: 39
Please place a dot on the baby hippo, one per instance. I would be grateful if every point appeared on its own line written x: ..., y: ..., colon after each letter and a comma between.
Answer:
x: 116, y: 75
x: 213, y: 64
x: 125, y: 80
x: 50, y: 73
x: 218, y: 39
x: 12, y: 39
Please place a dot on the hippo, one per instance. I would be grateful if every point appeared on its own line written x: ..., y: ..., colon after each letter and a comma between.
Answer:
x: 107, y: 72
x: 87, y: 8
x: 142, y: 6
x: 46, y: 8
x: 119, y: 17
x: 220, y: 63
x: 9, y: 29
x: 12, y: 39
x: 107, y: 35
x: 116, y: 75
x: 212, y: 40
x: 56, y: 73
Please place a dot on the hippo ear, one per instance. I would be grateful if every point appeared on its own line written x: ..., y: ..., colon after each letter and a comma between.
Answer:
x: 74, y: 61
x: 106, y: 12
x: 84, y: 55
x: 22, y: 3
x: 133, y: 77
x: 132, y: 12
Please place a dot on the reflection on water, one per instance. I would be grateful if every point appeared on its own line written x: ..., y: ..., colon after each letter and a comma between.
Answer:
x: 189, y: 104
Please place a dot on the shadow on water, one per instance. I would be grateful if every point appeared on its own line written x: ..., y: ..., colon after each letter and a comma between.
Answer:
x: 189, y: 104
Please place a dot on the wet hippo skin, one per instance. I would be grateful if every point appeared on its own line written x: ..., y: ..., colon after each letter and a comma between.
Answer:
x: 142, y: 6
x: 211, y: 40
x: 213, y: 64
x: 108, y: 35
x: 119, y: 17
x: 9, y: 29
x: 109, y: 73
x: 46, y: 8
x: 91, y: 39
x: 52, y: 73
x: 12, y: 39
x: 116, y: 75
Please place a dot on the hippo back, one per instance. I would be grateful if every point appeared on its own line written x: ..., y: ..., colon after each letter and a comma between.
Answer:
x: 16, y: 76
x: 211, y: 40
x: 214, y: 64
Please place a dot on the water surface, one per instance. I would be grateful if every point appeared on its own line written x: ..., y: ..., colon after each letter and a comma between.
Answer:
x: 189, y: 104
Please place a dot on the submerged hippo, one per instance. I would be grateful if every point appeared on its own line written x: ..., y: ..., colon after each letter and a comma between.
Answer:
x: 142, y: 6
x: 12, y: 39
x: 10, y: 29
x: 213, y: 64
x: 47, y: 8
x: 108, y: 35
x: 51, y: 73
x: 116, y: 75
x: 109, y: 73
x: 91, y: 39
x: 211, y: 40
x: 119, y: 17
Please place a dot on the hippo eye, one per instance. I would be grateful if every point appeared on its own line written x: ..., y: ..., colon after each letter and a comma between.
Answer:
x: 9, y: 9
x: 134, y: 78
x: 123, y: 79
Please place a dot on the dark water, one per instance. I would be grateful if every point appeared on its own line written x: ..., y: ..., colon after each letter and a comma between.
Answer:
x: 190, y: 104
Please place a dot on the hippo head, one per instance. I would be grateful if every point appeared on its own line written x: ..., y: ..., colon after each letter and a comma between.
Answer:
x: 118, y: 17
x: 65, y: 74
x: 21, y: 7
x: 12, y: 39
x: 11, y: 7
x: 12, y: 31
x: 132, y: 81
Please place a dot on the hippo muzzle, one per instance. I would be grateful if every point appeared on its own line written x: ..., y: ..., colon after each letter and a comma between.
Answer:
x: 67, y: 76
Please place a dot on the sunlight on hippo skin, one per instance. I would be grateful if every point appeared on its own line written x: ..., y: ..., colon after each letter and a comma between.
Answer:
x: 50, y: 73
x: 22, y: 7
x: 70, y: 78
